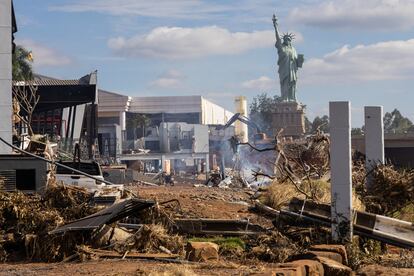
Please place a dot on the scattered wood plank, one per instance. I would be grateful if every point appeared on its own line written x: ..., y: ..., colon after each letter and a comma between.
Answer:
x: 130, y: 255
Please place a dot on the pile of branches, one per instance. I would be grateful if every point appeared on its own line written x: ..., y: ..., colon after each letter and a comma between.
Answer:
x: 25, y: 221
x: 309, y: 158
x: 70, y: 201
x: 152, y: 238
x: 391, y: 190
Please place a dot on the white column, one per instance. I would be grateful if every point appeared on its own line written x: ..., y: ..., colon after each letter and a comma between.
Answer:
x: 163, y: 162
x: 5, y: 74
x: 341, y: 170
x: 121, y: 137
x: 374, y: 139
x: 207, y: 167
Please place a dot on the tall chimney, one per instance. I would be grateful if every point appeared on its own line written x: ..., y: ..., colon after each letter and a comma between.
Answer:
x: 241, y: 129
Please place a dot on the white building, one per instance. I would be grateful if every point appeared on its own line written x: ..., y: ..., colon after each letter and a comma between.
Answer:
x: 183, y: 115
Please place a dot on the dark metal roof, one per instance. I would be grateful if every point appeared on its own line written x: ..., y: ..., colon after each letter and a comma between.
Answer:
x: 56, y: 94
x: 41, y: 80
x: 107, y: 216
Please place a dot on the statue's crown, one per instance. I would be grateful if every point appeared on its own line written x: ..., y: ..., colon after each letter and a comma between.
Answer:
x: 288, y: 36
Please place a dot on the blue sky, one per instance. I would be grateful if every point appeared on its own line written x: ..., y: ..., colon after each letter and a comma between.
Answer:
x: 361, y: 51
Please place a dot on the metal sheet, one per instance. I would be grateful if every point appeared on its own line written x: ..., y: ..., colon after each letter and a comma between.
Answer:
x: 109, y: 215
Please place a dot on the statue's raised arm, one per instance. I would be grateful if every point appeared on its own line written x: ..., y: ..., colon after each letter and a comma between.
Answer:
x: 278, y: 39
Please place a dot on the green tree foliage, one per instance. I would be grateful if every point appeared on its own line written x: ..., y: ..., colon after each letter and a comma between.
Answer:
x: 357, y: 131
x: 261, y: 111
x: 395, y: 122
x: 137, y: 121
x: 320, y: 122
x: 22, y: 67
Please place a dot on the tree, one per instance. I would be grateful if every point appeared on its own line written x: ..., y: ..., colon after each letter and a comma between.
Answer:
x: 135, y: 121
x: 21, y: 64
x: 395, y: 122
x: 261, y: 110
x: 320, y: 122
x: 25, y: 98
x: 357, y: 131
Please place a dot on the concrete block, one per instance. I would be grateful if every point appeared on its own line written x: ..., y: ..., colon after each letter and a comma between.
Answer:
x: 336, y: 248
x: 283, y: 271
x: 202, y: 251
x: 334, y: 268
x: 327, y: 254
x: 309, y: 267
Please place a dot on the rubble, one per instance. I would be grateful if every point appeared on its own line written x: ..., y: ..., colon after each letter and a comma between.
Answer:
x: 332, y: 267
x: 29, y: 219
x: 202, y: 251
x: 391, y: 190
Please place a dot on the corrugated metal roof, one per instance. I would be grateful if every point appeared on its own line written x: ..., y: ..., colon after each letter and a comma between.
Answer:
x: 109, y: 215
x: 51, y: 82
x: 41, y: 80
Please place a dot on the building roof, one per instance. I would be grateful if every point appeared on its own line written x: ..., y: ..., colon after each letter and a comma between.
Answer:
x: 41, y: 80
x: 55, y: 93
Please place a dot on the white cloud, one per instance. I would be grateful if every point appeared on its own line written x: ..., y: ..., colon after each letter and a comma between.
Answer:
x: 263, y: 83
x: 170, y: 79
x: 391, y: 60
x: 182, y: 43
x: 43, y: 55
x: 357, y: 14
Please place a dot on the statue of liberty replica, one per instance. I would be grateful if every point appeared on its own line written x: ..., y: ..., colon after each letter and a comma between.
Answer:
x: 289, y: 62
x: 288, y: 114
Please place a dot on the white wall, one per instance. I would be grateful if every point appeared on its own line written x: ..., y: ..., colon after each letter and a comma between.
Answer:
x: 173, y: 104
x: 213, y: 114
x: 201, y: 137
x: 5, y: 75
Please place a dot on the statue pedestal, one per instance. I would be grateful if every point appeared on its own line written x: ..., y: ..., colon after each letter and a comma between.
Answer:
x: 291, y: 117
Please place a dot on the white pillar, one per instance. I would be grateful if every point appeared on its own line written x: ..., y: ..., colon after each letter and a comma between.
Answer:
x: 341, y: 170
x: 163, y: 162
x: 241, y: 129
x: 374, y: 139
x: 5, y: 74
x: 207, y: 168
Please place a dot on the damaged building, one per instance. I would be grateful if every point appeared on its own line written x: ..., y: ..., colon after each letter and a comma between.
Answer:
x: 162, y: 132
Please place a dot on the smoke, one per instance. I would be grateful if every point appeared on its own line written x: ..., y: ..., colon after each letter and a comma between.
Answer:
x: 251, y: 161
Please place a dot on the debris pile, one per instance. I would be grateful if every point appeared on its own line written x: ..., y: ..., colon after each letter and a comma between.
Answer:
x: 152, y: 238
x: 24, y: 224
x: 307, y: 159
x: 273, y: 247
x: 391, y: 190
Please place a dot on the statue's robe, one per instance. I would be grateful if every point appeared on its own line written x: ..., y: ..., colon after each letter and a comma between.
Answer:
x: 288, y: 68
